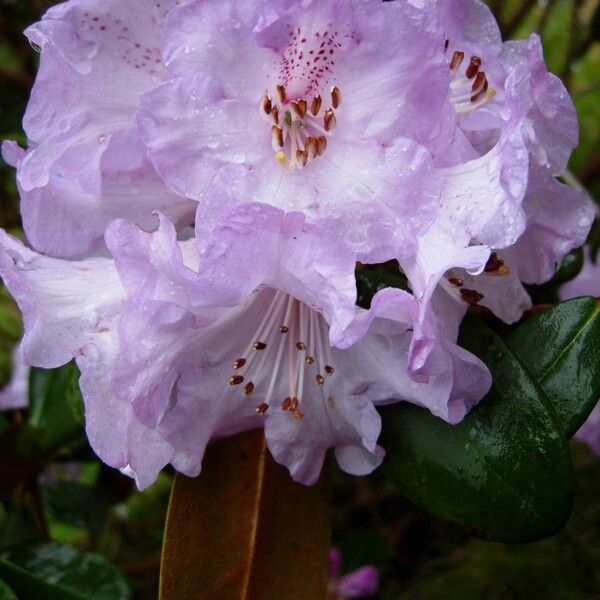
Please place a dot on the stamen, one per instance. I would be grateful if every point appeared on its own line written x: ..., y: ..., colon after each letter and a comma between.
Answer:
x: 239, y: 363
x: 281, y: 93
x: 309, y: 360
x: 248, y: 388
x: 471, y: 297
x: 266, y: 104
x: 301, y: 346
x: 496, y: 266
x: 336, y: 97
x: 277, y: 137
x: 329, y: 119
x: 456, y: 281
x: 328, y: 370
x: 284, y: 329
x: 456, y: 61
x: 315, y: 107
x: 261, y: 409
x: 259, y: 346
x: 320, y: 379
x: 473, y: 67
x: 236, y: 379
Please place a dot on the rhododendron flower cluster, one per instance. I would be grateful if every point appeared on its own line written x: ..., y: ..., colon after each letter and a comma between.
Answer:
x: 203, y: 177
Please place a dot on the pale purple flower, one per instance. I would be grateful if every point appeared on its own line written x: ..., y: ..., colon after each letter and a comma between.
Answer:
x: 360, y: 583
x: 260, y: 329
x: 85, y: 164
x: 587, y: 283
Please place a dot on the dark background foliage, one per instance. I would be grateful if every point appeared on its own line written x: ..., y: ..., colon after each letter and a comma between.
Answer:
x: 53, y: 489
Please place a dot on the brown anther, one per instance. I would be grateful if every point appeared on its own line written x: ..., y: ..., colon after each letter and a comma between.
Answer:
x: 301, y: 346
x: 336, y: 97
x: 259, y: 345
x: 299, y: 108
x: 471, y: 297
x: 309, y: 360
x: 287, y: 402
x: 329, y: 119
x: 235, y: 380
x: 315, y: 107
x: 277, y: 136
x: 293, y: 403
x: 473, y: 67
x: 248, y: 388
x: 310, y: 145
x: 298, y: 414
x: 456, y: 61
x: 281, y: 93
x: 266, y: 104
x: 456, y: 281
x: 320, y: 379
x: 331, y: 402
x: 480, y: 86
x: 302, y: 157
x: 321, y: 145
x: 261, y: 409
x: 446, y: 44
x: 493, y: 264
x: 284, y: 329
x: 328, y: 370
x: 275, y: 115
x: 239, y: 363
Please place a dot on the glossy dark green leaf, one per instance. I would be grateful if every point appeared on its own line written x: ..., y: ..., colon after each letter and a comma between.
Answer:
x: 561, y: 349
x: 6, y: 593
x: 60, y: 572
x: 504, y: 471
x: 569, y: 267
x: 371, y: 279
x: 55, y: 404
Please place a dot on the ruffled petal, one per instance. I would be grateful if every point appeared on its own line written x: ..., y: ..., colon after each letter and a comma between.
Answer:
x: 65, y: 305
x: 74, y: 100
x: 559, y: 218
x: 553, y: 130
x: 64, y: 220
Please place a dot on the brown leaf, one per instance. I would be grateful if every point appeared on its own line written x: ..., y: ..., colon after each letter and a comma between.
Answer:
x: 244, y: 530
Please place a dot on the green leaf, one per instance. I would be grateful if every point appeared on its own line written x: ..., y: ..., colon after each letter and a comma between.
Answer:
x: 60, y: 572
x: 570, y: 267
x: 55, y: 405
x: 561, y: 349
x: 504, y: 471
x: 6, y: 593
x: 371, y: 279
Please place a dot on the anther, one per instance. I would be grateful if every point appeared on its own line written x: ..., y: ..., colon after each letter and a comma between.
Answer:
x: 298, y: 414
x: 315, y: 107
x: 336, y: 97
x: 480, y: 86
x: 456, y: 61
x: 328, y: 370
x: 248, y: 388
x: 259, y: 345
x: 277, y: 137
x: 261, y: 409
x: 471, y: 297
x: 284, y: 329
x: 321, y: 145
x: 496, y: 266
x: 275, y: 115
x: 235, y: 380
x: 302, y: 157
x: 456, y: 281
x: 299, y: 107
x: 320, y: 379
x: 446, y: 44
x: 281, y: 93
x: 301, y: 346
x: 310, y: 145
x: 331, y: 402
x: 329, y: 119
x: 266, y: 105
x: 473, y: 67
x: 309, y: 360
x: 287, y: 402
x: 239, y: 363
